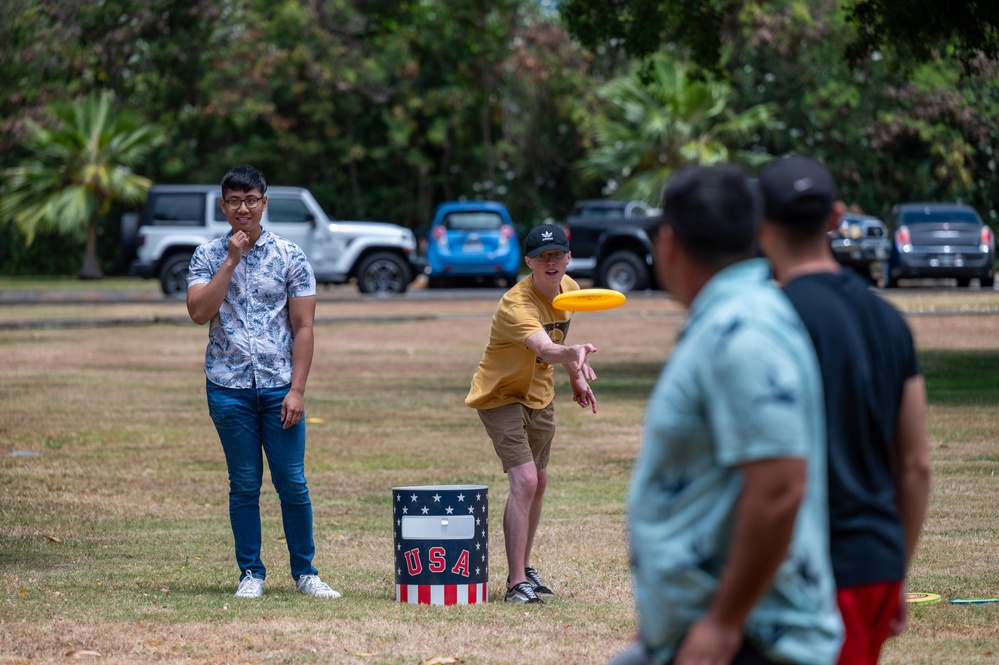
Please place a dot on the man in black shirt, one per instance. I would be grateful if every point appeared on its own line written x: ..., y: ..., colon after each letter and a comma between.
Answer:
x: 875, y: 404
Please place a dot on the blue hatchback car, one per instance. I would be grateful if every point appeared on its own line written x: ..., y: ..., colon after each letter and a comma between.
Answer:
x: 472, y: 240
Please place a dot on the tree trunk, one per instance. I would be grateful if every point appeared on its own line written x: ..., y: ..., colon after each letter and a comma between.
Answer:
x: 91, y: 268
x: 487, y: 140
x: 359, y: 211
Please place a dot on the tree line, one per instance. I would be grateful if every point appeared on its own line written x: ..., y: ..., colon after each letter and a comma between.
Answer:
x: 384, y: 108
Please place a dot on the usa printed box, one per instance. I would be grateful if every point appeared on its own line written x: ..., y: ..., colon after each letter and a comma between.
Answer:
x: 441, y: 544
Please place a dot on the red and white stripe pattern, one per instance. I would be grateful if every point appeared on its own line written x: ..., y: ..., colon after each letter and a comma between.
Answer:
x: 442, y: 594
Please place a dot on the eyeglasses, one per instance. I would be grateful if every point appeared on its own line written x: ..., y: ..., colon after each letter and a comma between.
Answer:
x: 557, y: 257
x: 250, y: 201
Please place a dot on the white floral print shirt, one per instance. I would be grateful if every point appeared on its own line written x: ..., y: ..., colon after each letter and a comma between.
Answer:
x: 250, y: 338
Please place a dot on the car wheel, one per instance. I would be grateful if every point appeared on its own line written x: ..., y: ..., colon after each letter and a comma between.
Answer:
x: 382, y: 273
x: 623, y: 271
x: 963, y: 282
x: 987, y: 281
x: 173, y: 276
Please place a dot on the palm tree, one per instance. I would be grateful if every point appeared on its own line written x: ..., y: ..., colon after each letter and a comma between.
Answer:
x: 80, y: 167
x: 657, y: 121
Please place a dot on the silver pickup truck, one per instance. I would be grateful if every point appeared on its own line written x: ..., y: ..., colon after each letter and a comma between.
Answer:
x: 861, y: 242
x: 381, y: 257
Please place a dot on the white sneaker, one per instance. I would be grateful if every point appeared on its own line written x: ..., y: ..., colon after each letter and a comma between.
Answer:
x: 311, y: 585
x: 250, y: 586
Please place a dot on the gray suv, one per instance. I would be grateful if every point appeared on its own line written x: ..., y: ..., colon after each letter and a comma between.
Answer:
x: 939, y: 240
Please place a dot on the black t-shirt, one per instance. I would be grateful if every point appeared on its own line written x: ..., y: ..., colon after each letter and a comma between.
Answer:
x: 866, y: 354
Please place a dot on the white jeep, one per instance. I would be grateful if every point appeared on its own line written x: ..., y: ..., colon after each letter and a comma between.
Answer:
x: 177, y: 218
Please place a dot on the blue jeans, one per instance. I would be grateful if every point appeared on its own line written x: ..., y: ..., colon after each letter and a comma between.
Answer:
x: 248, y: 422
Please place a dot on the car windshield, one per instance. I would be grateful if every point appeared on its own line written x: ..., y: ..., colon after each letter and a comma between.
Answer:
x: 473, y: 221
x: 601, y: 212
x: 939, y: 217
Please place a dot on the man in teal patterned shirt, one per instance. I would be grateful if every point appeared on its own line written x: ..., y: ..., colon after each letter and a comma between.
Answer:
x: 727, y: 505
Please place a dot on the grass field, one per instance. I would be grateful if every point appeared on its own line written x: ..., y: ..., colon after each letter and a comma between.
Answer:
x: 114, y: 534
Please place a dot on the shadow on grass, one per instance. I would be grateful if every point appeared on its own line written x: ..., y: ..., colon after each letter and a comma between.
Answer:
x: 627, y: 380
x: 31, y: 553
x: 952, y: 377
x: 961, y: 377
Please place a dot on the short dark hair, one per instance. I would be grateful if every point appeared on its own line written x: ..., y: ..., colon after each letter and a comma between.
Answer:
x: 713, y: 211
x: 805, y: 218
x: 243, y: 178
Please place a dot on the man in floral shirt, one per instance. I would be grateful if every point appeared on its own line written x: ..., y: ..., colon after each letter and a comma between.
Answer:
x: 257, y: 291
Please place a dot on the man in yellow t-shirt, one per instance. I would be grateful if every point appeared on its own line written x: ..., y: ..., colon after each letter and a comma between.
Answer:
x: 513, y: 391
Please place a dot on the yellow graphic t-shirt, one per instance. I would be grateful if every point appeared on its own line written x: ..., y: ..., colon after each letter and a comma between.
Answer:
x: 509, y: 371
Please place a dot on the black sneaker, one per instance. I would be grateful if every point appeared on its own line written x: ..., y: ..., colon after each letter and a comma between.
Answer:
x: 540, y: 587
x: 522, y: 592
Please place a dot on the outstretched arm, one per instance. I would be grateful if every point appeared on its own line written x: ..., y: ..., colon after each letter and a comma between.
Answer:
x: 575, y: 359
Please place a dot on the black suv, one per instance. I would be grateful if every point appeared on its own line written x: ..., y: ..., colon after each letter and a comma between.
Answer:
x: 939, y: 240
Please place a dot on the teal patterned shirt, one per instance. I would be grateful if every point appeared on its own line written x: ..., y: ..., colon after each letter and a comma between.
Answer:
x: 742, y: 384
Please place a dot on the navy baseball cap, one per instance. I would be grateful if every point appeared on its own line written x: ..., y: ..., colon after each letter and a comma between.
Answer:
x: 796, y: 187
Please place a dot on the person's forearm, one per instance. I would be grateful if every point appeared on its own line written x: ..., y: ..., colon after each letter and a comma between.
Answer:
x: 302, y: 351
x: 572, y: 370
x: 912, y: 473
x: 558, y: 354
x: 203, y: 303
x: 913, y: 498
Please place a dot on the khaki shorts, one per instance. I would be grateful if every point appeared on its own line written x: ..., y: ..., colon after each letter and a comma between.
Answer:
x: 520, y: 434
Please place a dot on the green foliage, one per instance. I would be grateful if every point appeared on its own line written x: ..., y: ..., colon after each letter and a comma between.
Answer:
x: 384, y: 109
x: 388, y: 110
x: 50, y: 254
x: 889, y: 134
x: 81, y: 166
x: 151, y: 53
x: 655, y: 121
x: 913, y: 30
x: 961, y: 377
x: 643, y: 27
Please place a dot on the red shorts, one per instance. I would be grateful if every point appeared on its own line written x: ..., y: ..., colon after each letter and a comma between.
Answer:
x: 867, y: 611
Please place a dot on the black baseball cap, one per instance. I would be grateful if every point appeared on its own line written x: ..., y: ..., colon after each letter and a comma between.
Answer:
x: 545, y: 237
x: 796, y: 188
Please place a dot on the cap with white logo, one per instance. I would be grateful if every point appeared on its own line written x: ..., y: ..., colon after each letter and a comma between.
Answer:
x: 787, y: 182
x: 544, y: 238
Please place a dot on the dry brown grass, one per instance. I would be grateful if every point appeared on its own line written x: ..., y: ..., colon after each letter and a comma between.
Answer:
x: 127, y: 475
